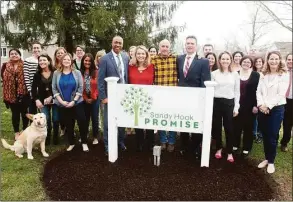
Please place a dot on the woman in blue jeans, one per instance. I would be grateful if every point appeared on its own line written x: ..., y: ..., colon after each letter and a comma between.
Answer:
x: 271, y: 98
x: 43, y: 96
x: 67, y: 87
x: 90, y: 93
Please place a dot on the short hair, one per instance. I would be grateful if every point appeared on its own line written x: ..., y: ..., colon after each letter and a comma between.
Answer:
x: 80, y: 46
x: 131, y: 47
x: 147, y: 59
x: 267, y: 69
x: 220, y: 56
x: 191, y: 37
x: 61, y: 66
x: 152, y: 47
x: 254, y: 62
x: 164, y: 40
x: 50, y: 66
x: 246, y: 57
x: 36, y: 42
x: 236, y: 52
x: 208, y: 44
x: 215, y: 66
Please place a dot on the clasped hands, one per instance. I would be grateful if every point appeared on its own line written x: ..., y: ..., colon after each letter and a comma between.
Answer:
x: 264, y: 109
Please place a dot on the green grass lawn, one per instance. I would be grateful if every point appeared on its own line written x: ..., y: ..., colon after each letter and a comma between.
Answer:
x: 20, y: 178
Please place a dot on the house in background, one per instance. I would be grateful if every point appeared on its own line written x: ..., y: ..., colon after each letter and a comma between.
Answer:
x: 24, y: 53
x: 284, y: 48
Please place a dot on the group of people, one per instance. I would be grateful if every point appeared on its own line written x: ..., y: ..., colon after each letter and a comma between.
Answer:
x: 252, y: 93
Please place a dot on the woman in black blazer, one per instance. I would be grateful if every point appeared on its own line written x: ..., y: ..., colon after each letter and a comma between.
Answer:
x: 248, y: 107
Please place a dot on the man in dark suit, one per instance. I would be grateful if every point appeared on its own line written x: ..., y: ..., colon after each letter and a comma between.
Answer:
x: 192, y: 72
x: 113, y: 64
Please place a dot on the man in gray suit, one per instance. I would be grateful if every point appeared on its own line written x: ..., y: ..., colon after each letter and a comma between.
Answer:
x: 113, y: 64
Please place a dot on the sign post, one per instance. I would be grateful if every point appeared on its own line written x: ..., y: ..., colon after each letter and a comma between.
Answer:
x: 112, y: 123
x: 182, y: 109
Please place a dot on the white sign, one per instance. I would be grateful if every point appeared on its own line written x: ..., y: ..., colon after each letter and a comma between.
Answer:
x: 160, y: 107
x: 182, y: 109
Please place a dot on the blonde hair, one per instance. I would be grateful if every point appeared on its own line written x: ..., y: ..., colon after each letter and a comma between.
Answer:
x: 267, y: 68
x: 61, y: 67
x: 56, y: 62
x: 147, y: 59
x: 100, y: 53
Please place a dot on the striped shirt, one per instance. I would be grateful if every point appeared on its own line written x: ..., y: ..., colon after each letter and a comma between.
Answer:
x: 29, y: 70
x: 165, y: 70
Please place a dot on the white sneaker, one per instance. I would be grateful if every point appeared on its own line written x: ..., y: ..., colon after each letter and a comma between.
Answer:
x: 263, y: 164
x: 79, y: 140
x: 85, y: 147
x: 245, y: 152
x: 95, y: 141
x: 62, y: 133
x: 235, y: 148
x: 70, y: 147
x: 271, y: 168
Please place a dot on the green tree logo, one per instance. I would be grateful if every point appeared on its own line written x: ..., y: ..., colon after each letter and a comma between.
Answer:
x: 136, y: 102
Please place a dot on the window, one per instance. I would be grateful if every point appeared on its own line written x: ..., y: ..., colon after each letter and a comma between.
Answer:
x: 3, y: 52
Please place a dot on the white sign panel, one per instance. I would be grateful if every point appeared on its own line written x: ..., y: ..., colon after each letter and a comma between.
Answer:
x: 182, y: 109
x: 161, y: 107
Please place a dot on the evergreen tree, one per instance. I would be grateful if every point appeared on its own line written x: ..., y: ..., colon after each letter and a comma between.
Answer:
x: 92, y: 23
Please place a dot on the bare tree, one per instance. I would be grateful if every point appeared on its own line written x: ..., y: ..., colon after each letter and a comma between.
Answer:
x: 257, y: 26
x: 283, y: 20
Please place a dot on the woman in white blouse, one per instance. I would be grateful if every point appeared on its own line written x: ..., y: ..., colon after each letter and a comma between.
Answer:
x: 226, y: 103
x: 271, y: 98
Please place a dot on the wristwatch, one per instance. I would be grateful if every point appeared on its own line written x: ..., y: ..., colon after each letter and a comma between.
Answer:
x: 75, y: 101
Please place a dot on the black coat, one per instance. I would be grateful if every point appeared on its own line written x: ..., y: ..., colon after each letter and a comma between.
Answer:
x: 249, y: 100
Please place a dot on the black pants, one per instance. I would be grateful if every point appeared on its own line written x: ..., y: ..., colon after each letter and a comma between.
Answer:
x: 223, y: 110
x: 244, y: 123
x: 18, y: 110
x: 196, y: 139
x: 287, y: 122
x: 150, y: 138
x: 68, y: 116
x: 32, y: 107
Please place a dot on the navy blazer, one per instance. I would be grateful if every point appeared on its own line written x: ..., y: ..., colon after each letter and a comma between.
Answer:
x: 109, y: 68
x: 197, y: 74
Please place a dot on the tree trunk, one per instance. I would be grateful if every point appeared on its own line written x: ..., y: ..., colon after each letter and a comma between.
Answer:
x: 68, y: 42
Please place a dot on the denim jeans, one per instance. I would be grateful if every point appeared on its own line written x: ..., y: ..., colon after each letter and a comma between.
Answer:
x: 270, y: 126
x: 256, y: 128
x: 164, y: 138
x: 55, y: 119
x: 121, y: 131
x: 92, y: 113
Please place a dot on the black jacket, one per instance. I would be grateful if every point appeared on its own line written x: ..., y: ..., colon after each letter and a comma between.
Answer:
x: 40, y: 90
x: 249, y: 101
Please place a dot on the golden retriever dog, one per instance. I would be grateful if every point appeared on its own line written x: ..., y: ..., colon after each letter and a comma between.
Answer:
x: 34, y: 134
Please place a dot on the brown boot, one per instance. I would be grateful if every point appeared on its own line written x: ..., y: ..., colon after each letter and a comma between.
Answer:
x: 163, y: 146
x: 171, y: 147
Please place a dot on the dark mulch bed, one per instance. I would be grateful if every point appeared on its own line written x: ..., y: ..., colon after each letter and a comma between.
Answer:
x: 77, y: 175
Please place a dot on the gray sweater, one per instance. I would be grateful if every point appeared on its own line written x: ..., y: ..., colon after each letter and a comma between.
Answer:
x: 57, y: 90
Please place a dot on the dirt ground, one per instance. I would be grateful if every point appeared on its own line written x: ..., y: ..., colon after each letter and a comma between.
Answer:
x: 77, y: 175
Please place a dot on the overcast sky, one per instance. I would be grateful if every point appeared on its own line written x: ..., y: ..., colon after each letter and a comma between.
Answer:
x: 212, y: 21
x: 215, y: 21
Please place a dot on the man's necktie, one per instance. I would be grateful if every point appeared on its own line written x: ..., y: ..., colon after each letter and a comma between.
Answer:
x: 289, y: 88
x: 120, y: 69
x: 187, y: 65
